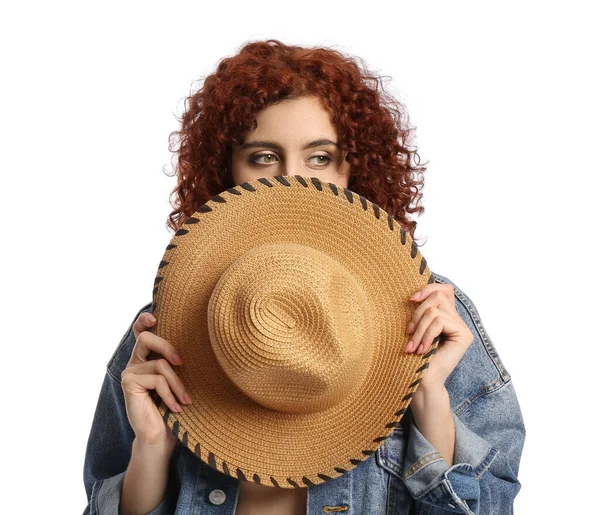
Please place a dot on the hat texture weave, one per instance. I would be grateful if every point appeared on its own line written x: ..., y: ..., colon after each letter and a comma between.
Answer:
x: 288, y: 300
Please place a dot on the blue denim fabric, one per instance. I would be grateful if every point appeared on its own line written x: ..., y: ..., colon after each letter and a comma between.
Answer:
x: 405, y: 476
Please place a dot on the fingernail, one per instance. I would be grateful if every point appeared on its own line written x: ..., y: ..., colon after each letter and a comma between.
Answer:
x: 186, y: 398
x: 415, y: 295
x: 178, y: 407
x: 177, y: 359
x: 151, y: 319
x: 409, y: 346
x: 411, y: 327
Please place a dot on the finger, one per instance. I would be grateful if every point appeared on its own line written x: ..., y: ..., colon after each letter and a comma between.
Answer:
x: 431, y: 325
x: 422, y: 293
x: 435, y: 329
x: 162, y: 367
x: 421, y: 323
x: 133, y: 384
x: 437, y: 299
x: 148, y: 342
x: 144, y: 322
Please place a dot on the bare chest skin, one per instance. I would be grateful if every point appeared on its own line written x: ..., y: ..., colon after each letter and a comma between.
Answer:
x: 256, y: 499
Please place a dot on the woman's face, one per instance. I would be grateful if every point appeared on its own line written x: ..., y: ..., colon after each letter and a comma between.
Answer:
x: 292, y: 137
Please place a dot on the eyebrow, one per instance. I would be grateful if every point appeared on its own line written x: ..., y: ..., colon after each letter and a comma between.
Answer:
x: 275, y: 146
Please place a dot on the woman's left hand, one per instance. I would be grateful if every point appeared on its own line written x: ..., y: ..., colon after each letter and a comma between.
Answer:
x: 437, y: 315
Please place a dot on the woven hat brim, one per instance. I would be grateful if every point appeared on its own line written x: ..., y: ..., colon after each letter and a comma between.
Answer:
x: 223, y: 427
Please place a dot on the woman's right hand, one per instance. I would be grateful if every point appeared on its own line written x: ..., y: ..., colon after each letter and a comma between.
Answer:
x: 142, y: 375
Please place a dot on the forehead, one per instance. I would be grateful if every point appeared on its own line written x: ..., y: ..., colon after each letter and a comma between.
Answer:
x: 293, y: 121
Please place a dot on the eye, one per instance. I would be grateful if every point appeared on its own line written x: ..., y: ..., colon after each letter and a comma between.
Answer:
x: 270, y: 158
x: 321, y: 160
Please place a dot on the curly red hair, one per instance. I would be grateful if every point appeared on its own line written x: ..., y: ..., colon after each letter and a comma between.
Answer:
x: 371, y: 125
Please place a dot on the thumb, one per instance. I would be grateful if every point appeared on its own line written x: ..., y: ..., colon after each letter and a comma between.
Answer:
x: 144, y: 322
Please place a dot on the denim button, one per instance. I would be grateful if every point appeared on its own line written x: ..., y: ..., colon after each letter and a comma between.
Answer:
x: 217, y: 497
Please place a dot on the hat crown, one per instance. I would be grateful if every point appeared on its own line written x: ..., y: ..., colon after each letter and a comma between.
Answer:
x: 290, y: 327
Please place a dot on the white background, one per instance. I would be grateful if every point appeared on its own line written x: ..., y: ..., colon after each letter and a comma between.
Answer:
x: 505, y: 100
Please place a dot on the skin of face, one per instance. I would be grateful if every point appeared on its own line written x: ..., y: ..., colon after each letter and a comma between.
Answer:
x: 292, y: 137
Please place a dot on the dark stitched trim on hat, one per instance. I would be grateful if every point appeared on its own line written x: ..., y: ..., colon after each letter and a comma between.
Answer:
x: 181, y: 232
x: 194, y: 220
x: 266, y: 182
x: 376, y: 209
x: 301, y: 180
x: 256, y: 478
x: 240, y: 475
x: 282, y: 180
x: 317, y: 183
x: 431, y: 352
x: 363, y: 201
x: 349, y: 195
x: 218, y: 198
x: 416, y: 383
x: 425, y: 366
x: 393, y: 425
x: 292, y: 482
x: 413, y: 250
x: 247, y: 186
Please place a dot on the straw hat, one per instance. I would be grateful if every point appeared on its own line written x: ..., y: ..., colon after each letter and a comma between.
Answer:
x: 287, y: 298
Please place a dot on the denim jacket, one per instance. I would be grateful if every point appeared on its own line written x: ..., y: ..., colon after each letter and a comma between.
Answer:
x: 405, y: 476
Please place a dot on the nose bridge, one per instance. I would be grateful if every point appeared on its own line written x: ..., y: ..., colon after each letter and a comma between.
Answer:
x: 288, y: 170
x: 293, y: 165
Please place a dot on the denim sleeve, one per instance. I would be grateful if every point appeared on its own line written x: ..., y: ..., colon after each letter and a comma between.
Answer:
x: 111, y: 437
x: 488, y: 445
x: 490, y: 434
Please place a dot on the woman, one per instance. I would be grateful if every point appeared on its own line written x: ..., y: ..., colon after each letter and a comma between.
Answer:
x: 281, y: 110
